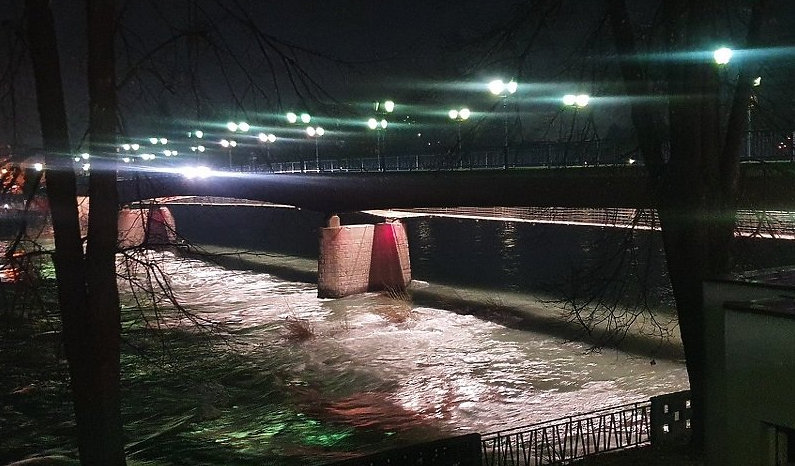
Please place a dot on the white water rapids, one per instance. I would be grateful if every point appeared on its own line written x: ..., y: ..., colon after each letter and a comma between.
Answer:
x: 389, y: 364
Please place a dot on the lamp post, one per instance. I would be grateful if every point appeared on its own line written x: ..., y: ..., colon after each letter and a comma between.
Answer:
x: 315, y: 133
x: 198, y: 148
x: 267, y: 139
x: 576, y: 101
x: 233, y: 127
x: 503, y: 90
x: 721, y: 56
x: 293, y: 119
x: 378, y: 126
x: 229, y: 144
x: 459, y: 115
x: 751, y: 102
x: 382, y: 109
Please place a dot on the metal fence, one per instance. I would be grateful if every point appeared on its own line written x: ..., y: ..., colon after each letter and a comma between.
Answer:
x: 758, y: 146
x: 564, y: 440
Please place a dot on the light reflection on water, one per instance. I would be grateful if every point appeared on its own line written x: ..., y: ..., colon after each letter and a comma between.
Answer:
x: 386, y: 364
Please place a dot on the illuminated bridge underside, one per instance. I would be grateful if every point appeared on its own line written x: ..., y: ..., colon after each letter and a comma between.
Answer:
x: 762, y: 187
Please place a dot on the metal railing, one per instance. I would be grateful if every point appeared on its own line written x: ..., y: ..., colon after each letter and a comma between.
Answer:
x: 564, y: 440
x: 758, y: 146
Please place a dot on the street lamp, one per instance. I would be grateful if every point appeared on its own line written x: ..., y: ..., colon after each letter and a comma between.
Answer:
x: 229, y: 144
x: 723, y: 55
x: 382, y: 109
x: 378, y: 126
x: 267, y: 139
x: 233, y: 127
x: 293, y: 118
x: 502, y: 89
x: 315, y: 133
x: 459, y: 116
x: 751, y: 102
x: 576, y: 101
x: 240, y: 127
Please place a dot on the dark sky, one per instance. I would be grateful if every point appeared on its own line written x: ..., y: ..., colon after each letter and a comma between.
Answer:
x: 399, y: 48
x: 405, y: 43
x: 363, y: 29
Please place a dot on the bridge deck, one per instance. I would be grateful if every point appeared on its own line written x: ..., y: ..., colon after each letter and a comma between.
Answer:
x: 763, y: 186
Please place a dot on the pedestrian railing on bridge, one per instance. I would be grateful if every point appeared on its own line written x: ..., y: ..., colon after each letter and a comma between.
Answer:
x: 758, y: 146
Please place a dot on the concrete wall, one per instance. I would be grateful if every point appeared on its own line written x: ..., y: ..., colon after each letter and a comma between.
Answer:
x: 760, y: 389
x: 358, y: 258
x: 751, y: 371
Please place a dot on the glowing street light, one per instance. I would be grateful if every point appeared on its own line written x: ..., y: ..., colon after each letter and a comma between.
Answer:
x: 752, y: 101
x: 293, y: 118
x: 304, y: 118
x: 723, y: 55
x: 459, y: 116
x: 387, y: 106
x: 502, y: 89
x: 576, y: 100
x: 372, y: 123
x: 229, y: 144
x: 234, y: 127
x: 315, y: 133
x: 266, y: 137
x: 312, y: 132
x: 380, y: 124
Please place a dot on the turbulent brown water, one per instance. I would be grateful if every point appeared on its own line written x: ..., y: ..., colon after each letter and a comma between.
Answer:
x: 385, y: 368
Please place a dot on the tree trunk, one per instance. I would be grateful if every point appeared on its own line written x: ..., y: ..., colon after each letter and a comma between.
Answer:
x: 695, y: 189
x: 90, y: 319
x: 103, y: 405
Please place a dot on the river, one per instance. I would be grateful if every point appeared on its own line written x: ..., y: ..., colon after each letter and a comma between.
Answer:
x: 403, y: 369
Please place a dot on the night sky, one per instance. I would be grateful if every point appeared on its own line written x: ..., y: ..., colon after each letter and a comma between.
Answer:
x: 367, y: 50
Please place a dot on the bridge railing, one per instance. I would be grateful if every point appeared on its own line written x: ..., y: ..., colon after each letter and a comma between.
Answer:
x: 759, y: 145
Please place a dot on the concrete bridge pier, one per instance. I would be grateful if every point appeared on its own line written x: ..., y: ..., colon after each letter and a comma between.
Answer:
x: 154, y: 226
x: 146, y: 226
x: 359, y: 258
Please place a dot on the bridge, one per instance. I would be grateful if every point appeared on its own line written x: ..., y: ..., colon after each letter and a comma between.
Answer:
x: 762, y: 186
x: 359, y: 258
